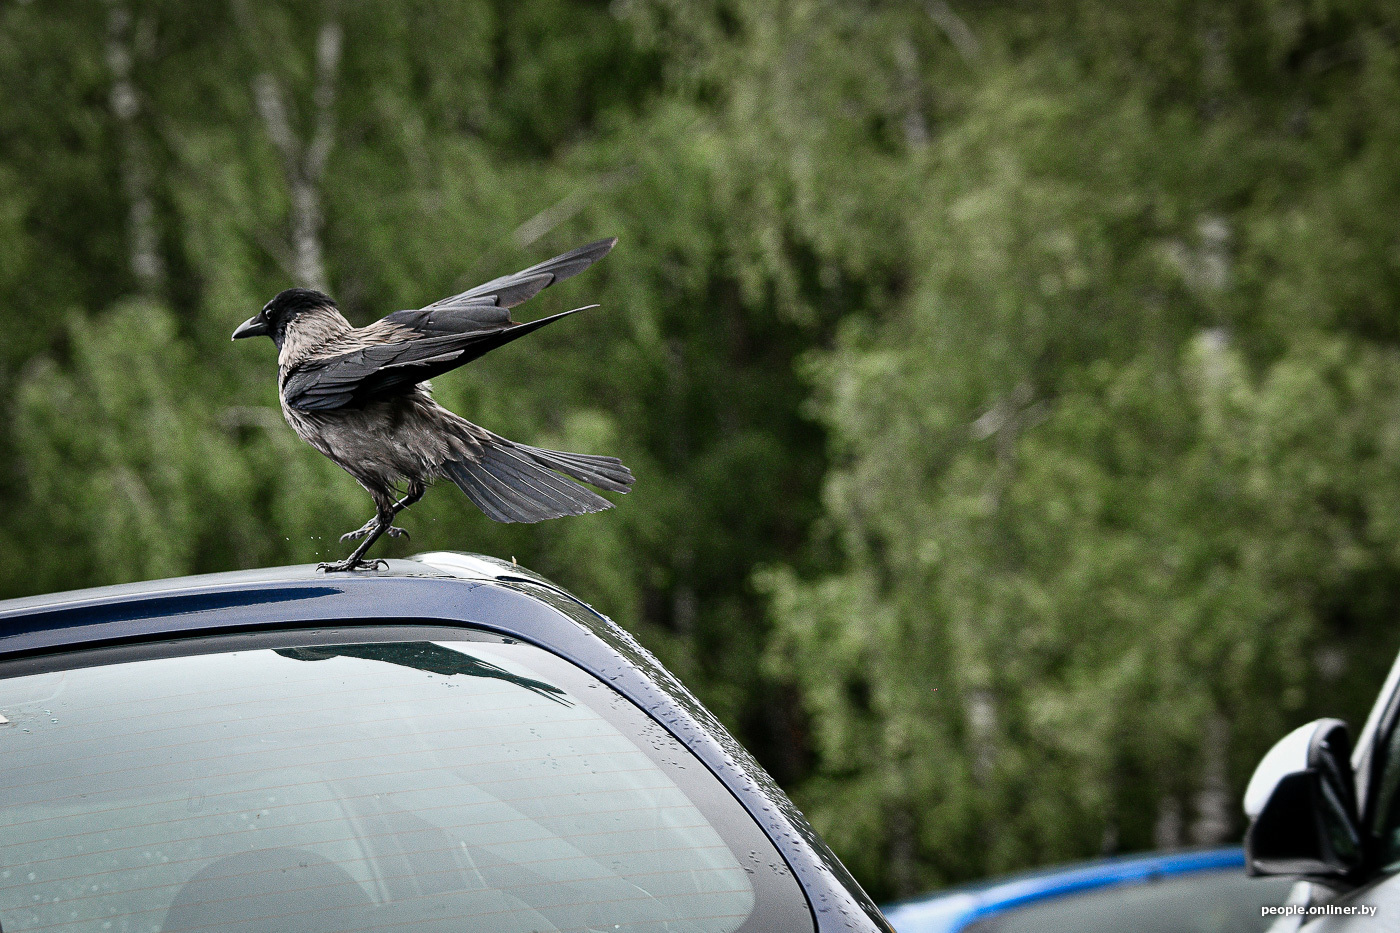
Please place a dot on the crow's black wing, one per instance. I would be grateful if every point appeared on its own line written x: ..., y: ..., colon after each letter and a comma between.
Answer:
x: 510, y: 290
x: 407, y: 347
x: 485, y: 308
x: 386, y: 358
x: 445, y: 321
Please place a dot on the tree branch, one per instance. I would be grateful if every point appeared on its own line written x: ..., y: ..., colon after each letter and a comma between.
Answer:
x: 955, y: 28
x: 328, y: 47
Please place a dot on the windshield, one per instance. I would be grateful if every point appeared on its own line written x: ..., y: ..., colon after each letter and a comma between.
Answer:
x: 463, y: 786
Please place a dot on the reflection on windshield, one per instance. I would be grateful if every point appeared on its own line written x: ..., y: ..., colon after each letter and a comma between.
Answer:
x: 373, y: 790
x: 425, y: 656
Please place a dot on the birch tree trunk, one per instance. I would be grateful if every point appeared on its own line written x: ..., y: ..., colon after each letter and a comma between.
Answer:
x: 143, y: 239
x: 304, y: 161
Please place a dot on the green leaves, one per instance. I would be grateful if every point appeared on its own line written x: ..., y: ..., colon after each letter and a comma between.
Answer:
x: 1112, y: 481
x: 129, y: 474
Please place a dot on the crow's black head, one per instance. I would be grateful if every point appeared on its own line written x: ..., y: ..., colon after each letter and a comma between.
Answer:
x: 273, y: 319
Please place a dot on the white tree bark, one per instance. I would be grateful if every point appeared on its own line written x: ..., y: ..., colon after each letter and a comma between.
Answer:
x: 1166, y: 834
x: 304, y: 161
x: 143, y: 239
x: 1212, y: 799
x: 916, y: 130
x: 955, y: 28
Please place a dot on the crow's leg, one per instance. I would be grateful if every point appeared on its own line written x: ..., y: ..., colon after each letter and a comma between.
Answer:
x: 415, y: 492
x: 356, y: 559
x: 360, y: 532
x: 383, y: 522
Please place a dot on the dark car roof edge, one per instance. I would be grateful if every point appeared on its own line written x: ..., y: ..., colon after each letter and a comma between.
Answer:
x: 295, y: 574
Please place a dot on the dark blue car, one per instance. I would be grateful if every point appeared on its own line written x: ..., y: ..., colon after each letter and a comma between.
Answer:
x: 1176, y: 892
x: 449, y: 745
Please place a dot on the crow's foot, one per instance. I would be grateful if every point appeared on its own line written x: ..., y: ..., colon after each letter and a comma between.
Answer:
x: 360, y: 532
x: 392, y: 531
x: 339, y: 566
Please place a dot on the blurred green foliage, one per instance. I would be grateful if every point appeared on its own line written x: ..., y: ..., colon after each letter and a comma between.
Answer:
x: 1013, y: 388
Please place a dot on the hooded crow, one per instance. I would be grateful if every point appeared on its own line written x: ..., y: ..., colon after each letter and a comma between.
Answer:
x: 360, y: 396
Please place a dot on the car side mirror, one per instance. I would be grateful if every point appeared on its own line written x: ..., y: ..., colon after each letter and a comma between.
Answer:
x: 1301, y: 803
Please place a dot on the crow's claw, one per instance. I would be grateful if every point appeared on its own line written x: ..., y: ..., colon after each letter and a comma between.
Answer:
x: 340, y: 566
x: 360, y: 532
x: 392, y: 531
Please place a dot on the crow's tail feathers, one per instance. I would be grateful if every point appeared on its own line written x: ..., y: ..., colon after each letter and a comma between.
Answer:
x: 513, y: 482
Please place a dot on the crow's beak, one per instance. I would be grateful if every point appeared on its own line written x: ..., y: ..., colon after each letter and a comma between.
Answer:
x: 255, y: 326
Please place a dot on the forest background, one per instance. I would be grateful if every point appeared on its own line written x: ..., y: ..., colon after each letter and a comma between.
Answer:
x: 1013, y: 387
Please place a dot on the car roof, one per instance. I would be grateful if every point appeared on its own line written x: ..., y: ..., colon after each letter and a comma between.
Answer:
x: 949, y: 911
x: 468, y: 590
x: 423, y: 566
x: 428, y: 584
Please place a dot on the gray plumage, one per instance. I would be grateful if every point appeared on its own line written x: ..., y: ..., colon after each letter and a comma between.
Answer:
x: 360, y: 396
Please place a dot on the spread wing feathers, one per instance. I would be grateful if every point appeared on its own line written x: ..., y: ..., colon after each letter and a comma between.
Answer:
x: 458, y: 319
x: 391, y: 357
x: 512, y: 482
x: 510, y: 290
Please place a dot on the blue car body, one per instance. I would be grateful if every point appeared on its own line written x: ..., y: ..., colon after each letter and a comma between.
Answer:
x: 954, y: 911
x: 444, y: 589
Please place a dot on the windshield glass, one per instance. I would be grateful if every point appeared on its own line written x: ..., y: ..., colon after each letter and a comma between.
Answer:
x: 463, y: 786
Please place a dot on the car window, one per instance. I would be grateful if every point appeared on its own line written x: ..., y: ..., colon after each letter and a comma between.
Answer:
x: 1383, y: 791
x: 463, y: 786
x: 1385, y: 814
x: 1201, y: 902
